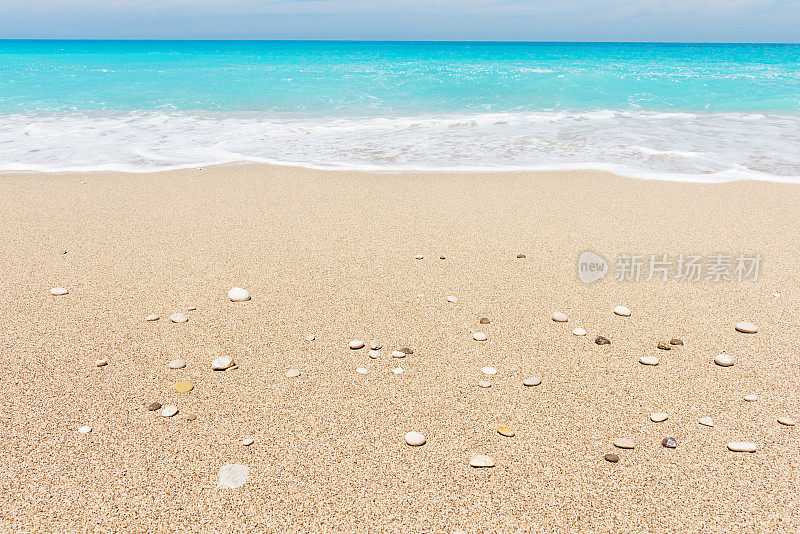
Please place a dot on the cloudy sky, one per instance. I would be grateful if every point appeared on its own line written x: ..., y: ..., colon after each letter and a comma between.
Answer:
x: 527, y: 20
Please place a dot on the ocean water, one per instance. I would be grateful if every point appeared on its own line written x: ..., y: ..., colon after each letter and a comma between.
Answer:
x: 670, y: 111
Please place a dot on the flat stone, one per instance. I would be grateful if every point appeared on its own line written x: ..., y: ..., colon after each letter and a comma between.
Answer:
x: 706, y: 421
x: 398, y: 370
x: 184, y: 386
x: 238, y: 294
x: 488, y: 370
x: 484, y: 320
x: 484, y: 384
x: 648, y: 360
x: 669, y: 443
x: 178, y: 318
x: 623, y: 443
x: 101, y: 363
x: 658, y: 417
x: 153, y: 406
x: 723, y: 360
x: 452, y: 299
x: 169, y: 411
x: 530, y: 382
x: 176, y: 364
x: 375, y: 345
x: 356, y: 344
x: 191, y: 308
x: 374, y: 354
x: 441, y: 257
x: 248, y: 441
x: 479, y: 336
x: 398, y: 354
x: 787, y: 421
x: 415, y: 439
x: 362, y: 370
x: 481, y: 460
x: 191, y: 417
x: 152, y: 317
x: 406, y: 350
x: 560, y: 317
x: 579, y: 332
x: 751, y: 397
x: 58, y: 291
x: 611, y: 457
x: 232, y: 476
x: 742, y: 446
x: 622, y: 311
x: 664, y: 346
x: 506, y: 431
x: 221, y: 363
x: 311, y: 337
x: 292, y: 373
x: 521, y: 256
x: 600, y: 340
x: 676, y: 341
x: 746, y: 327
x: 84, y: 429
x: 418, y: 257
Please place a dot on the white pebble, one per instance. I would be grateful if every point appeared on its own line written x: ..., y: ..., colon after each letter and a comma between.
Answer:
x: 415, y: 439
x: 398, y: 354
x: 488, y: 370
x: 398, y: 370
x: 374, y: 354
x: 84, y: 429
x: 375, y: 345
x: 452, y: 299
x: 787, y: 421
x: 479, y: 336
x: 248, y: 441
x: 723, y: 360
x: 178, y: 318
x: 624, y: 443
x: 751, y: 397
x: 362, y: 371
x: 152, y: 317
x: 746, y: 327
x: 292, y: 373
x: 579, y: 332
x: 356, y: 344
x: 221, y: 363
x: 177, y: 364
x: 58, y: 291
x: 484, y: 384
x: 560, y: 317
x: 101, y: 363
x: 530, y: 382
x: 233, y: 476
x: 622, y: 311
x: 648, y: 360
x: 311, y: 337
x: 658, y: 417
x: 481, y: 460
x: 169, y: 410
x: 742, y: 446
x: 237, y: 294
x: 706, y: 421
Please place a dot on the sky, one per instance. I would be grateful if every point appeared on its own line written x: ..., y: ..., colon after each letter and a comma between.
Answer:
x: 494, y: 20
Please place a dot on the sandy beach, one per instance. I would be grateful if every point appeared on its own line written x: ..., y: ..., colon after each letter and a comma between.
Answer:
x: 332, y: 254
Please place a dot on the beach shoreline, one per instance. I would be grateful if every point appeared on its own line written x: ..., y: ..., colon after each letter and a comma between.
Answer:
x: 332, y: 254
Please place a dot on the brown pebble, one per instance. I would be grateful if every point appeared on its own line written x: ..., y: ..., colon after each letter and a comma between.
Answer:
x: 675, y: 341
x: 441, y: 257
x: 611, y: 457
x: 506, y: 431
x: 520, y: 256
x: 153, y: 406
x: 664, y: 346
x: 600, y: 340
x: 484, y: 320
x: 406, y: 350
x: 191, y: 417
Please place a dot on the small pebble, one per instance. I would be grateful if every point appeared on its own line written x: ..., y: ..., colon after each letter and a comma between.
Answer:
x: 751, y: 397
x: 452, y: 299
x: 292, y: 373
x: 84, y: 429
x: 222, y: 363
x: 177, y: 364
x: 600, y: 340
x: 191, y: 417
x: 311, y: 337
x: 622, y: 311
x: 648, y: 360
x: 356, y: 344
x: 488, y: 370
x: 669, y: 443
x: 398, y: 354
x: 481, y: 460
x: 787, y: 421
x: 706, y: 421
x: 723, y: 360
x: 664, y: 346
x: 506, y: 431
x: 658, y: 417
x: 184, y: 386
x: 58, y: 291
x: 178, y: 318
x: 611, y: 457
x: 479, y: 336
x: 521, y: 256
x: 579, y: 332
x: 484, y: 384
x: 623, y: 443
x: 375, y: 345
x: 530, y: 382
x: 248, y: 441
x: 398, y: 370
x: 191, y: 308
x: 152, y: 317
x: 232, y: 476
x: 742, y: 446
x: 675, y: 341
x: 237, y: 294
x: 441, y: 257
x: 169, y: 411
x: 560, y: 317
x: 484, y: 320
x: 101, y: 363
x: 374, y: 354
x: 153, y: 406
x: 406, y: 350
x: 746, y: 327
x: 362, y: 371
x: 415, y: 439
x: 418, y: 257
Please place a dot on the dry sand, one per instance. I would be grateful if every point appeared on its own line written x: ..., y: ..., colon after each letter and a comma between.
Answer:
x: 332, y: 254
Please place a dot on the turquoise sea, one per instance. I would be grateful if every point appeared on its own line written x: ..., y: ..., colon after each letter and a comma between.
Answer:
x: 700, y: 112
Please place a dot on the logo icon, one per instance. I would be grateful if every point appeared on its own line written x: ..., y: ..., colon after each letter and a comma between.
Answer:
x: 591, y: 267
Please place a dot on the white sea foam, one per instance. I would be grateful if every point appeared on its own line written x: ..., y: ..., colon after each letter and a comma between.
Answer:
x: 703, y: 147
